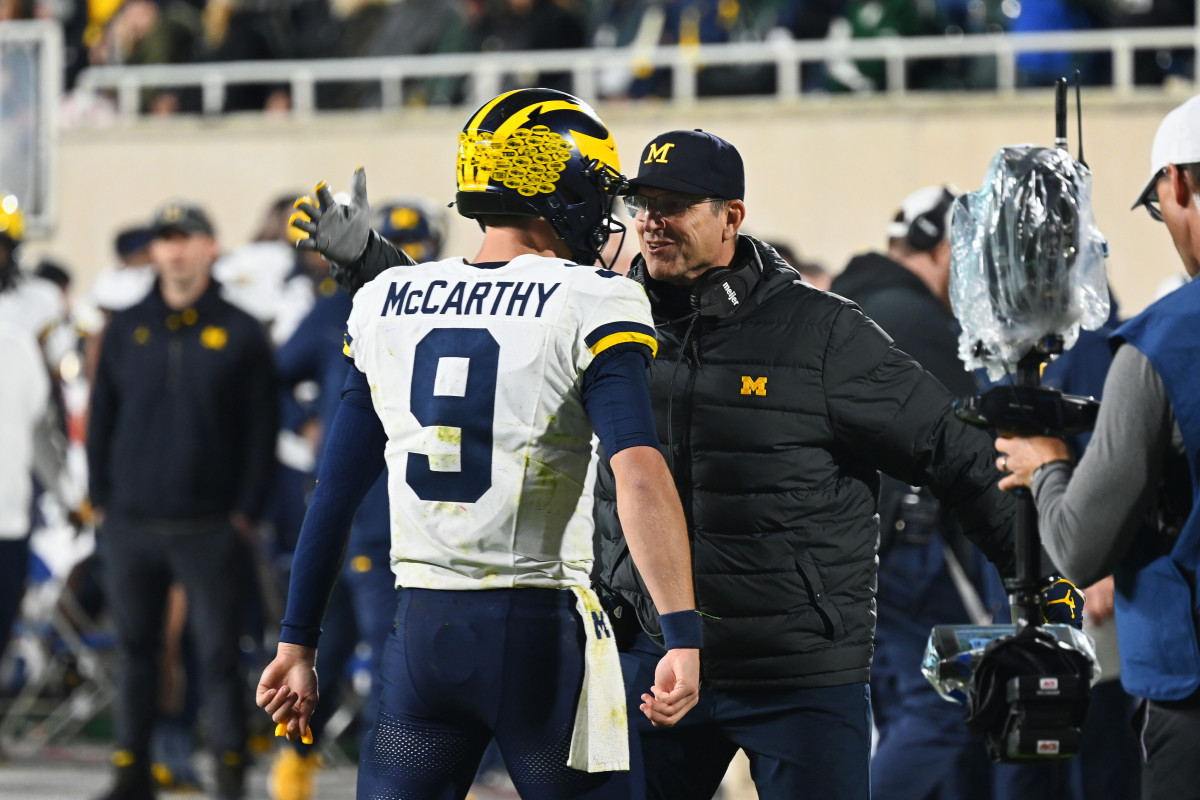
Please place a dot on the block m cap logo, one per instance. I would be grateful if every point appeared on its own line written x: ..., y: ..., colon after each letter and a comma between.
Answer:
x: 658, y: 152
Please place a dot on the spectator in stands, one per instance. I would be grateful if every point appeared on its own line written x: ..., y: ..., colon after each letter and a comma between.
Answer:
x: 1043, y: 69
x: 147, y: 32
x: 534, y: 25
x: 16, y: 9
x: 867, y: 19
x: 180, y: 446
x: 237, y: 30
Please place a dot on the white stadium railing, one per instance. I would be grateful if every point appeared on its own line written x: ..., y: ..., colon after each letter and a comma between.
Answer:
x: 486, y: 72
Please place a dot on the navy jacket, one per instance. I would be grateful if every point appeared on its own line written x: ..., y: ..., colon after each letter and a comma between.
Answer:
x: 183, y: 417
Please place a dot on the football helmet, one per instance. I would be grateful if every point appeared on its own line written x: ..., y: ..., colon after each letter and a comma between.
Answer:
x: 12, y: 220
x: 413, y: 225
x: 542, y: 153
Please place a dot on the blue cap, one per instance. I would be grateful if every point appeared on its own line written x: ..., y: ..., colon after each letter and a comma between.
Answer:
x: 133, y: 240
x: 411, y: 225
x: 693, y: 162
x: 177, y: 216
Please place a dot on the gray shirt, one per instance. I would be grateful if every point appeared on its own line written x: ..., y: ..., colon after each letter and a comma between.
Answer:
x: 1089, y: 514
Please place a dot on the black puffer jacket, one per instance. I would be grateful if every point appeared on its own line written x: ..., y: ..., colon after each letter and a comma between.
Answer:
x: 779, y: 486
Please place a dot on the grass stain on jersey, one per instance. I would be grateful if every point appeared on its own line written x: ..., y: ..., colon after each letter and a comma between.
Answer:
x: 449, y: 435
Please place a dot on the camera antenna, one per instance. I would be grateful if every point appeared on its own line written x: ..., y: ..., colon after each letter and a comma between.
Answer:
x: 1060, y: 113
x: 1079, y: 116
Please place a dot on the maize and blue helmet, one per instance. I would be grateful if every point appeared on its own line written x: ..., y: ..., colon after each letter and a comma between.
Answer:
x: 542, y: 153
x: 415, y: 226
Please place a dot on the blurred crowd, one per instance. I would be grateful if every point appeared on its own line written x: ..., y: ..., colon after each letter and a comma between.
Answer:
x: 115, y: 32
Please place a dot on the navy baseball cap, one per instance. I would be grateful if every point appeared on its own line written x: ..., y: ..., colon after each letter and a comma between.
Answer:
x: 180, y: 217
x: 693, y: 162
x: 133, y: 240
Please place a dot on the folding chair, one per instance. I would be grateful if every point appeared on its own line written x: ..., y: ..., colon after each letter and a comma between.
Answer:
x: 68, y: 659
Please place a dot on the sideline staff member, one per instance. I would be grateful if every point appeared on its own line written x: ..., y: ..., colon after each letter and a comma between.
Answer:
x: 776, y: 404
x: 181, y: 444
x: 1143, y: 463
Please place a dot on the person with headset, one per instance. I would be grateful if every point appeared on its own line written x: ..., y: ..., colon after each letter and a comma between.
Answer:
x: 777, y: 405
x: 928, y: 572
x: 481, y: 384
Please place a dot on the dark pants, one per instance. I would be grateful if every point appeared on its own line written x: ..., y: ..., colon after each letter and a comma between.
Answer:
x: 462, y: 667
x: 803, y: 744
x: 1172, y: 746
x: 141, y: 561
x: 14, y: 564
x: 1110, y: 763
x: 926, y: 751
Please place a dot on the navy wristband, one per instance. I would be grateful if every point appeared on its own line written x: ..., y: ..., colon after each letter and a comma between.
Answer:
x: 682, y: 629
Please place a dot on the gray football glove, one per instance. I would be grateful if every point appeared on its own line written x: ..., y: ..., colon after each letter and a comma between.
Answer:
x: 338, y: 232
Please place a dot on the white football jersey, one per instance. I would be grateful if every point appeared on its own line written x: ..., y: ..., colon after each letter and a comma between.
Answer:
x: 475, y: 373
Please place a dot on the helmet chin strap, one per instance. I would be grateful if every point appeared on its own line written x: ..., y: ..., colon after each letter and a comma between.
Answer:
x: 614, y: 227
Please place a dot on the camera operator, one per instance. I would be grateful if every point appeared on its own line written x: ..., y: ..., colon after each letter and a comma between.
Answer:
x: 1129, y: 506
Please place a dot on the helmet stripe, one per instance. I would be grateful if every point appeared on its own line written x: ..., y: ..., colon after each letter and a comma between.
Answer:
x: 482, y: 113
x: 526, y: 114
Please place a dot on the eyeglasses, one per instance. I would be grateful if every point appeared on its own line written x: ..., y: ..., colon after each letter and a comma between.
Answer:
x: 1151, y: 203
x: 666, y: 205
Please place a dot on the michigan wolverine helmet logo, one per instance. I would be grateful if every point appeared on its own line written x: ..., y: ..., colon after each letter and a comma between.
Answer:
x: 542, y: 153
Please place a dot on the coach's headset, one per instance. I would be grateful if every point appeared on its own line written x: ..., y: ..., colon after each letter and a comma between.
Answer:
x: 928, y: 230
x: 721, y: 291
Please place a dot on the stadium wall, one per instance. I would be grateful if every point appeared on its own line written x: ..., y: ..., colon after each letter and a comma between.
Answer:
x: 824, y: 175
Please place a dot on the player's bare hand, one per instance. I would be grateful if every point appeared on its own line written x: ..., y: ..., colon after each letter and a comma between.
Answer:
x: 287, y: 690
x: 676, y: 688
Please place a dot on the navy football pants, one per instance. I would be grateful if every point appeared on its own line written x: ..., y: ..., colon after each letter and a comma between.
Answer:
x: 803, y: 744
x: 464, y: 666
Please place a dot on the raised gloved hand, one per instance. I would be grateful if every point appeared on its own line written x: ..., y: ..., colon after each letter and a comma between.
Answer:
x: 338, y: 232
x: 1062, y: 602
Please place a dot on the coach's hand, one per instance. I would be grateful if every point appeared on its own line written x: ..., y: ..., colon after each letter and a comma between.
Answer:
x: 676, y: 688
x: 338, y: 232
x: 287, y: 689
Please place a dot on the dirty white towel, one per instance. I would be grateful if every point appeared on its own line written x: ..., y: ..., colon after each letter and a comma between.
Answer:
x: 600, y: 740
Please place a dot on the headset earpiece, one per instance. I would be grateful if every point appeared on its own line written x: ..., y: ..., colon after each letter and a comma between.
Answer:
x: 722, y: 290
x: 927, y: 230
